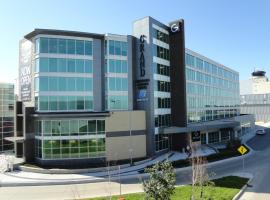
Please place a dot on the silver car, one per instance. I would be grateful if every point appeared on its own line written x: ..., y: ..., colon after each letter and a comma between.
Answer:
x: 260, y: 132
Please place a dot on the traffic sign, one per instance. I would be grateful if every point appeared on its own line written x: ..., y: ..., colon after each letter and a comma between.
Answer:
x: 242, y: 149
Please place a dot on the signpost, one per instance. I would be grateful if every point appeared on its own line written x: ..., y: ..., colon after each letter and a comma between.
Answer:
x: 243, y: 150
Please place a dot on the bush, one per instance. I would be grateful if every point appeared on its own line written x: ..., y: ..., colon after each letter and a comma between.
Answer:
x: 233, y: 144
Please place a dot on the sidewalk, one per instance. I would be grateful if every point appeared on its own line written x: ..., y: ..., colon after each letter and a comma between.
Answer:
x: 16, y: 178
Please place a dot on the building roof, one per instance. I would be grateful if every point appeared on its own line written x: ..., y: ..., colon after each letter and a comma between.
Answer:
x: 63, y: 32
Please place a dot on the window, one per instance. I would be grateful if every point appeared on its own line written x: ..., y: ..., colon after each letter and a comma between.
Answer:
x: 62, y: 65
x: 124, y: 48
x: 117, y: 49
x: 52, y: 65
x: 62, y: 83
x: 52, y: 45
x: 79, y: 66
x: 161, y: 69
x: 91, y: 126
x: 62, y: 46
x: 88, y: 84
x: 80, y: 84
x: 43, y: 83
x: 124, y: 66
x: 88, y: 48
x: 43, y: 64
x: 44, y: 45
x: 163, y: 53
x: 53, y: 84
x: 213, y: 137
x: 71, y: 65
x: 88, y: 66
x: 71, y: 46
x: 79, y: 47
x: 161, y: 36
x: 111, y: 47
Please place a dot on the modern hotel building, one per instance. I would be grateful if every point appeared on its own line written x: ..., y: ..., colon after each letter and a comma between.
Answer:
x: 93, y: 98
x: 7, y: 101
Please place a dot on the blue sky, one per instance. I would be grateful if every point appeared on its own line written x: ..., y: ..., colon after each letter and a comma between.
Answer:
x: 235, y: 33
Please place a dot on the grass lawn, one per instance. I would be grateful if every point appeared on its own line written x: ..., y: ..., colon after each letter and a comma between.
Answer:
x: 225, y: 189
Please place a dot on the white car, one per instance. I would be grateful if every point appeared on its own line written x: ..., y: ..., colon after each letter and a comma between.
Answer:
x: 260, y: 132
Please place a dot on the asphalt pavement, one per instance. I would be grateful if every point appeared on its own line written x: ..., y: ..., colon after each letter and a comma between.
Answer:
x: 256, y: 162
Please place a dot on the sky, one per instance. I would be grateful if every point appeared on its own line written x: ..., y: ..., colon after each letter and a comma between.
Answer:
x: 235, y: 33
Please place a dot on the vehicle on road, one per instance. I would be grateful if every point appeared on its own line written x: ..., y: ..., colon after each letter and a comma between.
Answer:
x: 260, y: 132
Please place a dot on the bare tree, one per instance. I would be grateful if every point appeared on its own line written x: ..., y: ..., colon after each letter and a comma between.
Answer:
x: 200, y: 176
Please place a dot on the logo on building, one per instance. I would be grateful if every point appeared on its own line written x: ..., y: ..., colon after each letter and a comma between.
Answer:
x: 142, y: 59
x: 196, y: 136
x: 175, y: 28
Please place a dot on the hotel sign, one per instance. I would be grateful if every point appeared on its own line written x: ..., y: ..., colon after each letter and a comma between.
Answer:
x: 25, y: 70
x: 196, y: 136
x: 142, y: 58
x: 175, y: 27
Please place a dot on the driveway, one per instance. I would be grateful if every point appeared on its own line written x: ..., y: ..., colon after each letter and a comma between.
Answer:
x: 260, y: 142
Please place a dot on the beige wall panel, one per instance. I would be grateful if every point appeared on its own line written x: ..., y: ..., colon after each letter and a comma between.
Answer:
x: 118, y: 148
x: 119, y: 121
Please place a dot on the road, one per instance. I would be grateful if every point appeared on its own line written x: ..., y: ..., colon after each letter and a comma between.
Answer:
x: 260, y: 189
x: 256, y: 162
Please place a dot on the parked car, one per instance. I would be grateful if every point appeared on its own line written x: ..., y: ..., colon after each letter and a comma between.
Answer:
x: 260, y: 132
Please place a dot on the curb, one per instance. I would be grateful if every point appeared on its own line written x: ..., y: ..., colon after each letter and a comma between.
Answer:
x: 241, y: 192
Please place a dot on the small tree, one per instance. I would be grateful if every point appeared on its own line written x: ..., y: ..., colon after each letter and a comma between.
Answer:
x: 160, y: 185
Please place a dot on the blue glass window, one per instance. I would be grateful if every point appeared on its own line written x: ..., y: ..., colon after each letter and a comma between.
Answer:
x: 88, y: 84
x: 53, y: 84
x: 43, y: 83
x: 79, y: 47
x: 88, y: 48
x: 71, y: 84
x: 71, y: 65
x: 52, y: 65
x: 88, y: 66
x: 80, y: 103
x: 80, y: 84
x: 62, y: 83
x: 111, y: 47
x: 53, y: 103
x: 117, y: 45
x: 52, y: 45
x: 43, y: 64
x: 124, y: 48
x: 112, y: 84
x: 62, y: 46
x: 71, y: 46
x: 124, y: 84
x: 111, y: 66
x: 118, y: 66
x: 44, y: 45
x: 79, y: 66
x: 72, y: 103
x: 118, y: 84
x: 62, y: 65
x: 43, y: 103
x: 88, y: 102
x: 124, y: 66
x: 62, y: 101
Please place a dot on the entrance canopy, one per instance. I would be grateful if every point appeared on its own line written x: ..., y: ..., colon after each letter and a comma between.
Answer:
x: 202, y: 126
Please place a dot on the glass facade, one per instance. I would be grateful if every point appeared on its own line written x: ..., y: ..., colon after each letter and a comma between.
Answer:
x: 63, y: 84
x: 212, y: 90
x: 63, y: 46
x: 116, y: 73
x: 70, y: 139
x: 162, y: 85
x: 6, y: 116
